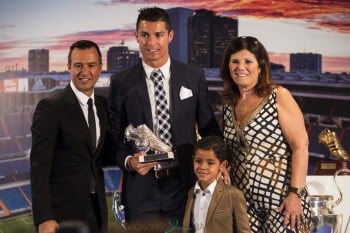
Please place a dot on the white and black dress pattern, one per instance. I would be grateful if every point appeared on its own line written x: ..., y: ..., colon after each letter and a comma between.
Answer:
x: 260, y: 161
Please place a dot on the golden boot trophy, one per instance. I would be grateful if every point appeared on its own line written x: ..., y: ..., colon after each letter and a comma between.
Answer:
x: 331, y: 141
x: 329, y: 167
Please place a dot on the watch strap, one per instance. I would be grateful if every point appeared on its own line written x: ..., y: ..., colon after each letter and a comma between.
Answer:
x: 298, y: 191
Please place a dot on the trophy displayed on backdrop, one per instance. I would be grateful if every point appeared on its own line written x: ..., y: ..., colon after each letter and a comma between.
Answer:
x: 330, y: 139
x: 143, y: 139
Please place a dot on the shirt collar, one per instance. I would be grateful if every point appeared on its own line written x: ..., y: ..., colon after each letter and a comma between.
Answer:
x: 82, y: 98
x: 165, y: 69
x: 210, y: 188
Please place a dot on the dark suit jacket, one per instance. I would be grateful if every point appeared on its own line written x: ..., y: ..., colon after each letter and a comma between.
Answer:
x: 63, y: 161
x: 227, y: 211
x: 129, y: 103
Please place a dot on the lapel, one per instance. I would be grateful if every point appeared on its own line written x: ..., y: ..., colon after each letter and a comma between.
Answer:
x: 139, y: 79
x: 175, y: 85
x: 74, y: 111
x: 218, y: 191
x: 103, y: 118
x: 189, y: 208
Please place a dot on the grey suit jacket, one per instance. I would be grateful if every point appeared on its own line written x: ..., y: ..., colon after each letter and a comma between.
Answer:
x: 227, y: 211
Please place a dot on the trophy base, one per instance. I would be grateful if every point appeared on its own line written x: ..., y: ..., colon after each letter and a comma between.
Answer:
x: 156, y: 157
x: 329, y: 223
x: 330, y: 167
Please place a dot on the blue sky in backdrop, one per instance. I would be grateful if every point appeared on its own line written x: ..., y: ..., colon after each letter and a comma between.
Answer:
x: 283, y: 26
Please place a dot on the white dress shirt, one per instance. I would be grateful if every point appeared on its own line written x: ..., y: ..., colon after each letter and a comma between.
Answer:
x: 201, y: 205
x: 82, y: 98
x: 150, y: 87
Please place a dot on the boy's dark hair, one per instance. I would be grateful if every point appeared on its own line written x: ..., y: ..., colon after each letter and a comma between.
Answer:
x: 154, y: 14
x: 214, y: 143
x: 84, y: 44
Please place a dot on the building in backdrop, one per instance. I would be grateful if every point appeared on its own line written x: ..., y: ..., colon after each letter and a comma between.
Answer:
x: 206, y: 40
x: 306, y: 62
x: 178, y: 48
x: 121, y: 57
x: 38, y: 61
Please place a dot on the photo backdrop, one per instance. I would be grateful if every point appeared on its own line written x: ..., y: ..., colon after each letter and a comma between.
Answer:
x: 320, y: 28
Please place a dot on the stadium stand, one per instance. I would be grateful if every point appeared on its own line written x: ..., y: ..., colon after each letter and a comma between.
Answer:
x: 14, y: 166
x: 113, y: 177
x: 28, y: 192
x: 14, y: 200
x: 25, y: 143
x: 9, y: 147
x: 16, y: 197
x: 17, y: 124
x: 323, y: 98
x: 3, y: 131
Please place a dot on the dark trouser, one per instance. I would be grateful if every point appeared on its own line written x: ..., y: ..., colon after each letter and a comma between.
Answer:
x: 90, y: 223
x: 92, y: 215
x: 163, y: 208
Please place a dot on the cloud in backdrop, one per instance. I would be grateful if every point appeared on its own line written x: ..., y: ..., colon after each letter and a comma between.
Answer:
x: 283, y: 26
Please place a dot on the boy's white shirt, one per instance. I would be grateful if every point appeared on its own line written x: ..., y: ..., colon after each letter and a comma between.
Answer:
x: 201, y: 205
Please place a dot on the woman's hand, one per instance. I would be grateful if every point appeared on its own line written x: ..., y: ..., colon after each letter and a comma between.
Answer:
x: 293, y: 211
x: 225, y: 175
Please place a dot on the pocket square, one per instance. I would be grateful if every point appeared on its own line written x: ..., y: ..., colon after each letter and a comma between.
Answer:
x: 185, y: 93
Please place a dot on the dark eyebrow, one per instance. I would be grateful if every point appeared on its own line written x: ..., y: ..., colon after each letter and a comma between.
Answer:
x: 160, y: 32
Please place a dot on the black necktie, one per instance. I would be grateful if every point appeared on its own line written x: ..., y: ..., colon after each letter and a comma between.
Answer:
x: 92, y: 124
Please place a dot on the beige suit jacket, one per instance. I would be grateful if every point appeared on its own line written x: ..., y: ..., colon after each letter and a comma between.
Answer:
x: 227, y: 211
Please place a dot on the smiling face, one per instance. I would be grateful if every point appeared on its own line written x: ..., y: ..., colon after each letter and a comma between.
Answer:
x: 244, y: 69
x: 207, y: 167
x: 85, y: 69
x: 153, y: 39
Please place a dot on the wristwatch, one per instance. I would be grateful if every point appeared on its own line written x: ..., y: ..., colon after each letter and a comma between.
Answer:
x: 298, y: 191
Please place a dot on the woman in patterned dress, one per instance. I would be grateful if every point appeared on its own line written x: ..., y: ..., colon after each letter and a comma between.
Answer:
x: 265, y: 131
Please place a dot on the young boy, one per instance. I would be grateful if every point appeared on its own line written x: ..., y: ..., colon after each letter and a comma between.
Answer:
x: 211, y: 205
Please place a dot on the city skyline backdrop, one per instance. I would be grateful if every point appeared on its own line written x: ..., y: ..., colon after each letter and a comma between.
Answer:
x: 284, y: 27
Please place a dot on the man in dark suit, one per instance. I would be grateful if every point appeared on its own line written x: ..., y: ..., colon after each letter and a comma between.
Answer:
x: 151, y: 191
x: 66, y: 176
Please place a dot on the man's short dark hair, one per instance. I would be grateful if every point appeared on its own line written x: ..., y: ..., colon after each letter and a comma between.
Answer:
x: 154, y: 14
x: 84, y: 44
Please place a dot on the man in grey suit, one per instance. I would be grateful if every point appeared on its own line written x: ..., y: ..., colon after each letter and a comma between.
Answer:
x: 151, y: 191
x: 68, y: 137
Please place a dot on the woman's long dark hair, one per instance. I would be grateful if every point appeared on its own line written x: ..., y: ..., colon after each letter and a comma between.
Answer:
x: 230, y: 93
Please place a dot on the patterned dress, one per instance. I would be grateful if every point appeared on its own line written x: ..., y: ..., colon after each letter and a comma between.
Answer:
x: 260, y: 164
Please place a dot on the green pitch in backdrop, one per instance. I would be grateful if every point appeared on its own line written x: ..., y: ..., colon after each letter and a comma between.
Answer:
x: 24, y: 223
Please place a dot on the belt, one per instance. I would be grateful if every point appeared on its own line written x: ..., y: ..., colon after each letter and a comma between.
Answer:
x: 166, y: 172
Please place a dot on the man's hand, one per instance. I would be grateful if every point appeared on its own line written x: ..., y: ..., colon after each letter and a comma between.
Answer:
x: 49, y: 226
x: 141, y: 168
